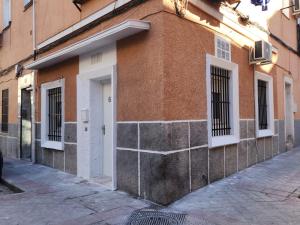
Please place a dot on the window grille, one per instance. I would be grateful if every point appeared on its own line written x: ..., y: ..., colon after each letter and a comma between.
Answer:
x: 4, y: 126
x: 54, y: 114
x: 262, y: 105
x: 220, y: 103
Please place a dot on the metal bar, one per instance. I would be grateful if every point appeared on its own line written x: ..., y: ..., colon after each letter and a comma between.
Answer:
x: 287, y: 7
x: 213, y: 100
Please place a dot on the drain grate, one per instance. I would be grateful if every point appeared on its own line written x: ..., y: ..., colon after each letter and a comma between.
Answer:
x: 154, y: 217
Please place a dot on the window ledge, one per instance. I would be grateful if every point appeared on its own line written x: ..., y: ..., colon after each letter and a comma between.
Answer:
x: 53, y: 145
x: 264, y: 133
x: 223, y: 140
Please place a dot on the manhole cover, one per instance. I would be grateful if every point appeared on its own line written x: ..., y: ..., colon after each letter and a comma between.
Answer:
x: 154, y: 217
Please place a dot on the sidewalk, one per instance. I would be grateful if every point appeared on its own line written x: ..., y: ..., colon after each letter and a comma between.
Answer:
x: 265, y: 194
x: 54, y: 197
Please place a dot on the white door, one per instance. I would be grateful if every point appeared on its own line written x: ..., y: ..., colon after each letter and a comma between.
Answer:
x: 107, y: 130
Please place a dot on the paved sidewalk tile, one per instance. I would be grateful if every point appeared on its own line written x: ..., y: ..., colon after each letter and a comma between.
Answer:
x: 265, y: 194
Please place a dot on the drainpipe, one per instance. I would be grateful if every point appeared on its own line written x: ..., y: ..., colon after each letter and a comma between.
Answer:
x: 33, y: 130
x: 33, y: 27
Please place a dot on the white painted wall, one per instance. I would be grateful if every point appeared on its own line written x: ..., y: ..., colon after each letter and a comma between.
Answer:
x: 109, y: 58
x: 89, y: 97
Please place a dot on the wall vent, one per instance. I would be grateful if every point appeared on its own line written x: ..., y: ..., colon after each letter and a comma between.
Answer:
x: 96, y: 58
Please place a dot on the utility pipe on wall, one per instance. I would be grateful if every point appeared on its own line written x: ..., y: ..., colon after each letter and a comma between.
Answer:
x: 33, y: 130
x: 33, y: 27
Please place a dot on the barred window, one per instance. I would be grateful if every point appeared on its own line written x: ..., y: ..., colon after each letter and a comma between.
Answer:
x: 262, y: 104
x: 4, y: 126
x: 54, y: 114
x: 220, y: 103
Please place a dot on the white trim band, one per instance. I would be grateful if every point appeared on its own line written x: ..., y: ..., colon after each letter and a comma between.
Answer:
x: 95, y: 16
x: 103, y: 38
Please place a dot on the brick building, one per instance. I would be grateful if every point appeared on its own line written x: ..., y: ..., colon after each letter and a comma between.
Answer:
x: 157, y: 98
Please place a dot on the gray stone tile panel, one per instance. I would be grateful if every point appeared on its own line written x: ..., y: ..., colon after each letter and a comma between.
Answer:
x: 127, y: 135
x: 230, y: 160
x: 216, y: 164
x: 275, y: 145
x: 3, y: 145
x: 38, y: 152
x: 243, y: 129
x: 199, y: 167
x: 48, y: 157
x: 38, y: 131
x: 242, y: 155
x: 198, y: 133
x: 13, y: 130
x: 251, y: 129
x: 164, y: 136
x: 297, y: 133
x: 71, y: 158
x: 282, y: 147
x: 268, y: 148
x: 12, y: 145
x: 261, y: 149
x: 164, y: 178
x: 252, y: 153
x: 71, y: 132
x: 276, y: 124
x: 59, y: 160
x: 127, y: 171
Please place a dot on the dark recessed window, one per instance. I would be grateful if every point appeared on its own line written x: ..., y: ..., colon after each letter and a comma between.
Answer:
x: 54, y: 114
x: 262, y: 105
x: 4, y: 124
x: 220, y: 101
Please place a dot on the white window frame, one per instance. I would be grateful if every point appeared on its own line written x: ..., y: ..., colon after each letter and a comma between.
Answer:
x: 45, y: 143
x: 216, y: 47
x: 215, y: 141
x: 6, y: 21
x: 270, y: 103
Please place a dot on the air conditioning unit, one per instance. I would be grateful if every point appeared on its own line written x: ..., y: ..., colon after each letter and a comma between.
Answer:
x: 296, y: 7
x: 261, y: 53
x: 18, y: 70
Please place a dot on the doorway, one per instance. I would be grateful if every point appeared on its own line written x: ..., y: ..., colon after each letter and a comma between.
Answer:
x: 289, y: 116
x: 26, y: 125
x: 96, y: 126
x: 107, y: 130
